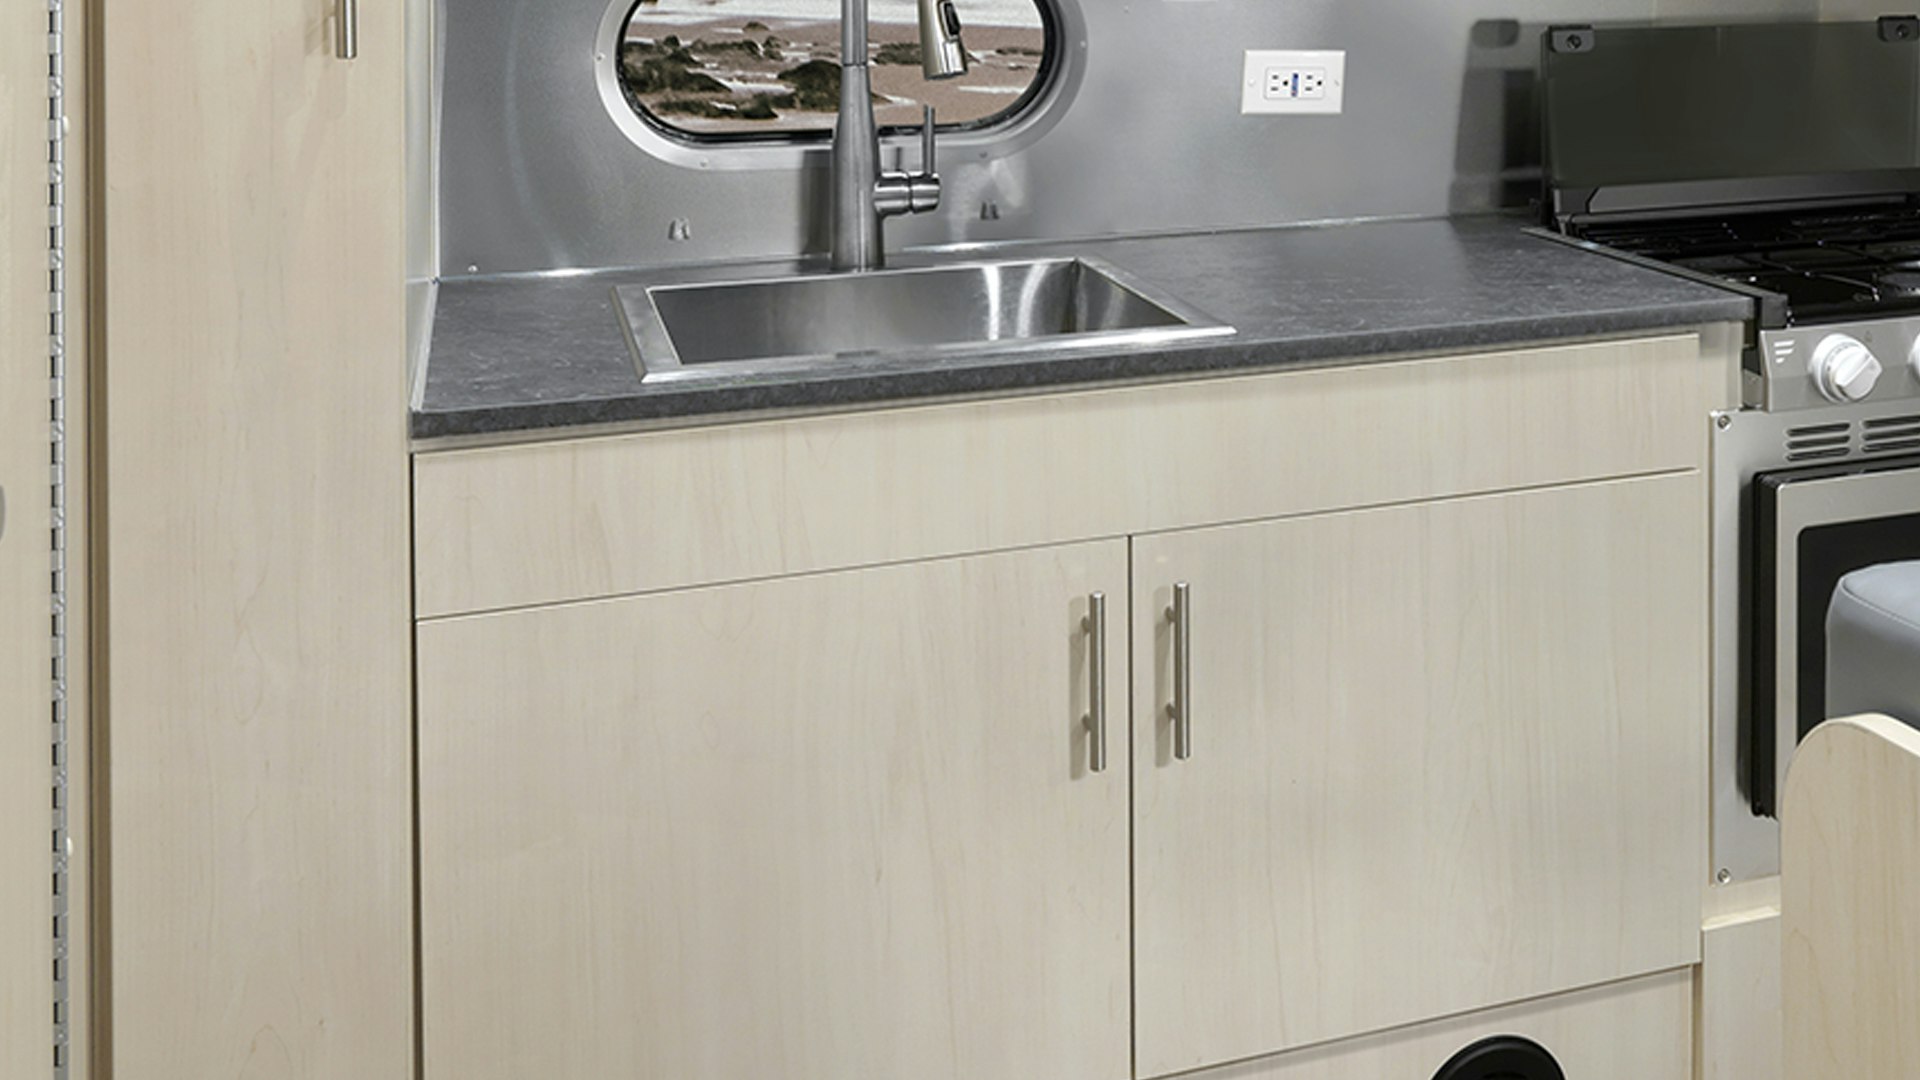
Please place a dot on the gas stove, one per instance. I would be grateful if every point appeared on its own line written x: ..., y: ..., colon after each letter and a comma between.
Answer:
x: 1836, y: 291
x: 1781, y: 161
x: 1778, y: 160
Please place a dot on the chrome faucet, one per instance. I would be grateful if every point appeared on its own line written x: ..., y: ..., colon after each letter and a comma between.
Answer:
x: 864, y: 196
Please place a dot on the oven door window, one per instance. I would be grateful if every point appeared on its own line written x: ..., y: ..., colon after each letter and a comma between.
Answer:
x: 1812, y: 527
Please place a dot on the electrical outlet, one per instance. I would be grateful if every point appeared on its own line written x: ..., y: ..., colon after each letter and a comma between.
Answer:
x: 1298, y: 83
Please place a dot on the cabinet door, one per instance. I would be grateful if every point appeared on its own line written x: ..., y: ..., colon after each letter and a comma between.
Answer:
x: 1444, y: 756
x: 838, y: 827
x: 256, y: 676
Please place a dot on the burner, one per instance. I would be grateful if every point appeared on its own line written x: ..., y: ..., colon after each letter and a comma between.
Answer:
x: 1813, y: 258
x: 1902, y: 280
x: 1809, y: 293
x: 1724, y: 265
x: 1821, y: 267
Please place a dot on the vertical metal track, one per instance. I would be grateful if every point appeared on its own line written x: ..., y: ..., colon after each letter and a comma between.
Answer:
x: 57, y: 435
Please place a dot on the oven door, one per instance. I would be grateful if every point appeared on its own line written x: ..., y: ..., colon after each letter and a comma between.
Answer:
x: 1812, y: 527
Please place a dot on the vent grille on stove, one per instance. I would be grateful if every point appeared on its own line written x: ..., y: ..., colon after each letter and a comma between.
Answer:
x: 1892, y: 434
x: 1887, y: 435
x: 1819, y: 441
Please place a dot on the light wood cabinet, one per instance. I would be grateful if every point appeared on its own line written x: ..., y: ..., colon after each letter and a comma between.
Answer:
x: 516, y: 526
x: 837, y: 827
x: 253, y: 546
x: 1444, y: 756
x: 738, y: 757
x: 1740, y: 1007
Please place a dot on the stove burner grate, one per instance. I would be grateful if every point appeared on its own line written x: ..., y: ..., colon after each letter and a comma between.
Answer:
x: 1902, y: 280
x: 1827, y: 265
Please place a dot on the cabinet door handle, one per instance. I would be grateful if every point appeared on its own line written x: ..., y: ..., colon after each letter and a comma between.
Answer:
x: 346, y: 37
x: 1181, y: 709
x: 1095, y: 624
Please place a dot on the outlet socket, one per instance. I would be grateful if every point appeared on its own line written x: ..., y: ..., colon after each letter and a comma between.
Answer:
x: 1294, y: 83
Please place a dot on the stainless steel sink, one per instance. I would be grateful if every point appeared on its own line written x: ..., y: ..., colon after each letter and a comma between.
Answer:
x: 822, y: 320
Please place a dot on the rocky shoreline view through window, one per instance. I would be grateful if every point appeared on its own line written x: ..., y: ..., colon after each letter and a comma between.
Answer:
x: 771, y: 67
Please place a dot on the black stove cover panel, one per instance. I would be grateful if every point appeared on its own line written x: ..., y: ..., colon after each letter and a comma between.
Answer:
x: 1654, y: 104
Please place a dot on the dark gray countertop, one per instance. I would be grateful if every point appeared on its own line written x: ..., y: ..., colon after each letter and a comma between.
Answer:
x: 517, y: 356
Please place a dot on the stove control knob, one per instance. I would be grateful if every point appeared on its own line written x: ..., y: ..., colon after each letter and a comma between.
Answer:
x: 1845, y: 370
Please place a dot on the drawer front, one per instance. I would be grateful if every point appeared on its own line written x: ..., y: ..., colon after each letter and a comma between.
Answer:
x: 517, y: 526
x: 1641, y: 1029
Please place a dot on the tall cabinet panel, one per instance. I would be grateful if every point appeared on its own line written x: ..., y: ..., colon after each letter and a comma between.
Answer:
x: 255, y: 544
x: 818, y: 828
x: 26, y: 905
x: 1442, y: 757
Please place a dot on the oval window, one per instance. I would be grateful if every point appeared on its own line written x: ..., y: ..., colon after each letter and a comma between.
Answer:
x: 769, y: 70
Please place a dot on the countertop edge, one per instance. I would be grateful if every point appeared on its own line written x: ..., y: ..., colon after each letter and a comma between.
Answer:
x: 1025, y: 373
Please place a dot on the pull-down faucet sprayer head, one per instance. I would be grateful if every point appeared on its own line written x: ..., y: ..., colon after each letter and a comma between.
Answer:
x: 942, y: 54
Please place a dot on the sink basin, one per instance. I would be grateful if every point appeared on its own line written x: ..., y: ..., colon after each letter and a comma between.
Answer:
x: 822, y: 320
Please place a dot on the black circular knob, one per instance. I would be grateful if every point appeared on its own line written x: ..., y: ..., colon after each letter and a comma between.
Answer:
x: 1505, y: 1057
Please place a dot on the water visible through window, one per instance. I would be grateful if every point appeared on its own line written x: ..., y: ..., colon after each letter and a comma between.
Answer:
x: 771, y: 68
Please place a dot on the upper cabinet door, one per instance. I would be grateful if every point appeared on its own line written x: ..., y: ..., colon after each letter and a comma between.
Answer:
x: 839, y: 827
x: 1443, y: 756
x: 257, y: 674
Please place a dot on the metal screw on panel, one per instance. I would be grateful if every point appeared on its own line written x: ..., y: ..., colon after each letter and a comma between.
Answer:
x: 679, y: 230
x: 1723, y: 421
x: 473, y: 268
x: 1724, y: 877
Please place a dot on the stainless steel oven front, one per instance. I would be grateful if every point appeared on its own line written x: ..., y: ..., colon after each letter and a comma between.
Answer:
x: 1813, y: 527
x: 1803, y: 498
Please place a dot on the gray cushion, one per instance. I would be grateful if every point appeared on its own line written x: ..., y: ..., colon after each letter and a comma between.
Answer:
x: 1873, y: 643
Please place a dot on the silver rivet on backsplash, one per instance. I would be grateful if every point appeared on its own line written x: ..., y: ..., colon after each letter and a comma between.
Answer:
x: 1724, y: 877
x: 473, y: 268
x: 680, y: 229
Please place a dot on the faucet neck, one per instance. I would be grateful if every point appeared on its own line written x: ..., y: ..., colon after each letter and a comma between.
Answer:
x: 857, y: 239
x: 853, y: 33
x: 863, y: 195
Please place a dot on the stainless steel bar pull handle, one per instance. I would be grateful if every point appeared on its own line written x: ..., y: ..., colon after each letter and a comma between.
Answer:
x: 346, y: 37
x: 1181, y: 709
x: 1095, y: 624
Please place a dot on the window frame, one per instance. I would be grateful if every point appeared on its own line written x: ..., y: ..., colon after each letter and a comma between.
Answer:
x: 1037, y: 110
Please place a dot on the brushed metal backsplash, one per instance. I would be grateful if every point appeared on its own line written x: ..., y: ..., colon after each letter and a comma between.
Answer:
x: 535, y: 176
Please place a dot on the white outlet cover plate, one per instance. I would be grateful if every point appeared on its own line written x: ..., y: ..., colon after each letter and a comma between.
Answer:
x: 1276, y: 68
